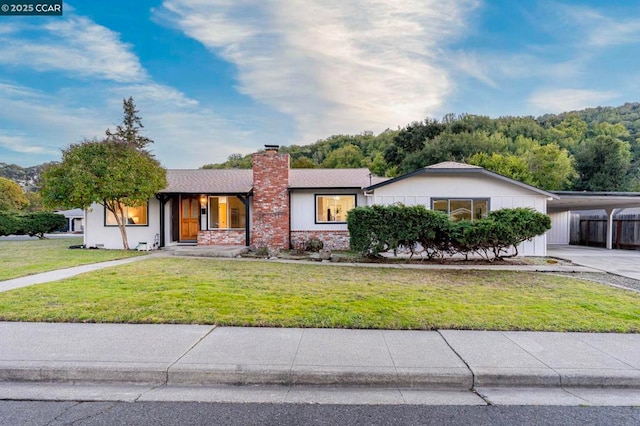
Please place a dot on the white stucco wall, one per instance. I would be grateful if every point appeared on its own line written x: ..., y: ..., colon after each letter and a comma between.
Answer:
x: 96, y: 234
x: 303, y: 209
x: 420, y: 189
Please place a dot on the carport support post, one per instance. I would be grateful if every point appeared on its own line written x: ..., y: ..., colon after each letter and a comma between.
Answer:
x: 610, y: 213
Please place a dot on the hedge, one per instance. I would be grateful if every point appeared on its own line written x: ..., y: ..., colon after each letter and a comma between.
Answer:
x: 9, y: 223
x: 377, y: 229
x: 32, y: 224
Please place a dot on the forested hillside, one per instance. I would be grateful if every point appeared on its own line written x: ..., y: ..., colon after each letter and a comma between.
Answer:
x: 595, y: 149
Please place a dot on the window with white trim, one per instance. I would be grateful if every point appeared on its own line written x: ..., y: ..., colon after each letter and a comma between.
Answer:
x: 462, y: 208
x: 334, y: 208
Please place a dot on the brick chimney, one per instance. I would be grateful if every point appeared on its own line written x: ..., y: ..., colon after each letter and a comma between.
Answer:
x: 270, y: 219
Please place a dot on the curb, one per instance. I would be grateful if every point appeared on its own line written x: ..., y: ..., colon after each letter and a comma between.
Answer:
x: 453, y: 379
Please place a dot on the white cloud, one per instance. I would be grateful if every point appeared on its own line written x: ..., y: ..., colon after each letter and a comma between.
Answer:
x: 21, y: 144
x: 75, y: 45
x: 560, y: 100
x: 38, y: 124
x: 594, y: 28
x: 185, y: 133
x: 334, y: 66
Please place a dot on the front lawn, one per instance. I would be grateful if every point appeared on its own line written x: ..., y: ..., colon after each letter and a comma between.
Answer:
x: 20, y: 258
x: 253, y: 293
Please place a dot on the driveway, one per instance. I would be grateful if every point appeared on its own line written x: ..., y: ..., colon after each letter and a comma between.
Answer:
x: 619, y: 262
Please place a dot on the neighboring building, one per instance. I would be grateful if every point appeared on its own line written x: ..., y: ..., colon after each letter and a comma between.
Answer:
x: 281, y: 208
x: 75, y: 220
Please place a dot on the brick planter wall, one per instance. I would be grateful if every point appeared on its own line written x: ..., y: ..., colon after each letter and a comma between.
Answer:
x: 222, y: 237
x: 270, y: 214
x: 333, y: 240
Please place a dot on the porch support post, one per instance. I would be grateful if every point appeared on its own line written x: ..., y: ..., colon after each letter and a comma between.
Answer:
x: 163, y: 198
x: 247, y: 224
x: 610, y: 213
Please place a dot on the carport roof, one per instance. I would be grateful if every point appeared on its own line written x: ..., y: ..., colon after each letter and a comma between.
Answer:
x: 577, y: 200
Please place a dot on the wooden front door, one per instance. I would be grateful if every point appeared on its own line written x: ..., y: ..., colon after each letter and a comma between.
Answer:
x: 189, y: 218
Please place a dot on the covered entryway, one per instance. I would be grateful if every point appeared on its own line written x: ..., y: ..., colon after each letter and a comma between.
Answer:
x: 619, y: 262
x: 189, y: 218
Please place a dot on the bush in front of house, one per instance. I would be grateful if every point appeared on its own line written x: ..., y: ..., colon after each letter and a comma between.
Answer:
x: 508, y: 228
x: 313, y: 245
x: 377, y: 229
x: 367, y: 230
x: 39, y: 223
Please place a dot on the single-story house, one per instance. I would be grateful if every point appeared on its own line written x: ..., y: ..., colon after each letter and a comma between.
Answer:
x: 277, y: 207
x: 75, y: 220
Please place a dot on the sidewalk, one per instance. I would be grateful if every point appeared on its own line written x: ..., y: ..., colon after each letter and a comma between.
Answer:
x: 208, y: 356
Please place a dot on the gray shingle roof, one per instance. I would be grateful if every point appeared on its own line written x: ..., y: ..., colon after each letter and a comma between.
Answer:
x: 240, y: 181
x: 332, y: 178
x: 220, y: 181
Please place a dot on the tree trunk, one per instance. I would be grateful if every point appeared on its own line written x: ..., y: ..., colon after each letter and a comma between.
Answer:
x: 116, y: 208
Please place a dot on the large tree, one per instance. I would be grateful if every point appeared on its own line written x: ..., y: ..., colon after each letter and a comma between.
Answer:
x: 349, y: 156
x: 507, y: 165
x: 551, y: 167
x: 107, y: 172
x: 117, y: 172
x: 12, y: 197
x: 602, y: 164
x: 129, y: 131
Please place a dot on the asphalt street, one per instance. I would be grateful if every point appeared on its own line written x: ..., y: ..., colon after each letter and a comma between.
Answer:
x: 38, y: 413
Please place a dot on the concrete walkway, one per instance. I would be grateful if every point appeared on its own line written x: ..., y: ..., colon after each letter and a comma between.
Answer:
x: 620, y: 262
x: 61, y: 274
x: 207, y: 356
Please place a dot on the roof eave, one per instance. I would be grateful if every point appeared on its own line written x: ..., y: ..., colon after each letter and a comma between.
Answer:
x: 427, y: 170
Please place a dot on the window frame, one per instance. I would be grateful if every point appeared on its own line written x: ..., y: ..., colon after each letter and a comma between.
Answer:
x: 449, y: 199
x: 134, y: 225
x: 242, y: 212
x: 315, y: 207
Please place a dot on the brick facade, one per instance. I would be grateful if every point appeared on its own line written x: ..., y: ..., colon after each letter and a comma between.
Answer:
x: 333, y: 240
x: 270, y: 203
x: 222, y: 237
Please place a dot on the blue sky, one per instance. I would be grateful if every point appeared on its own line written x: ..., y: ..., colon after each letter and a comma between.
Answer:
x: 216, y: 77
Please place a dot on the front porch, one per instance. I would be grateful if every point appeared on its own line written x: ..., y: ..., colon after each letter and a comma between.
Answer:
x: 206, y: 251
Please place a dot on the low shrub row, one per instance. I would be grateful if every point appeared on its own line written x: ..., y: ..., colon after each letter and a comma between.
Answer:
x: 377, y: 229
x: 32, y: 224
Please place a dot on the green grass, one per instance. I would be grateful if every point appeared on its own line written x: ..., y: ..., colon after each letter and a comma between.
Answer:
x: 252, y: 293
x: 21, y: 258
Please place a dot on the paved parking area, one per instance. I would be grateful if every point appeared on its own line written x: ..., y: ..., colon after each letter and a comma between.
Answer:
x: 620, y: 262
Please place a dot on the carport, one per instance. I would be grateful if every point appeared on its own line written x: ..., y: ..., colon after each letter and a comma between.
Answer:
x: 610, y: 202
